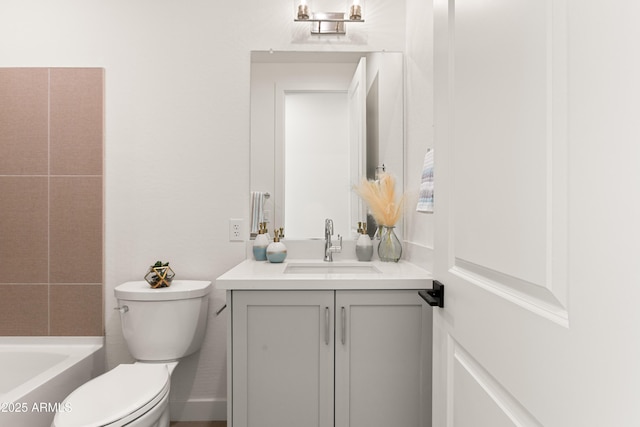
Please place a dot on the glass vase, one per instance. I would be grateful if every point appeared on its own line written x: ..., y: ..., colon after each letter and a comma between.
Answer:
x: 390, y: 248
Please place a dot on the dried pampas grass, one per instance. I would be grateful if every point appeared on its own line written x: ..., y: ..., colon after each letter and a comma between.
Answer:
x: 381, y: 198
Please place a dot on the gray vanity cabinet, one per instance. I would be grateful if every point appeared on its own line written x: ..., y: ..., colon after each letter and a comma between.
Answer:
x: 330, y: 358
x: 282, y: 358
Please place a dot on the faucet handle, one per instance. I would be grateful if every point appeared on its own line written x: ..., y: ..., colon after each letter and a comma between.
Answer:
x: 338, y: 247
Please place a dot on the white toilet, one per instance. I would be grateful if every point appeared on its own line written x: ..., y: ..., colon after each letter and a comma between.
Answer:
x: 160, y: 327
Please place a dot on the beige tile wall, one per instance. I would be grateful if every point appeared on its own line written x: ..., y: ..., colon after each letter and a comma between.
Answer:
x: 51, y: 201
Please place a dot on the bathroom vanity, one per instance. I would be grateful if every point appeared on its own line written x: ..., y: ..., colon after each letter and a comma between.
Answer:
x: 312, y: 343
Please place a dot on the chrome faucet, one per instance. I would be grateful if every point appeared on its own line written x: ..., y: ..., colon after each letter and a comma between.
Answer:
x: 329, y: 248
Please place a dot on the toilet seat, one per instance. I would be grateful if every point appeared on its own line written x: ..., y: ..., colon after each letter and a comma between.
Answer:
x: 117, y: 397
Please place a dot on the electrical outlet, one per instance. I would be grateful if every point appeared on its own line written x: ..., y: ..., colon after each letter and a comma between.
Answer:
x: 236, y: 230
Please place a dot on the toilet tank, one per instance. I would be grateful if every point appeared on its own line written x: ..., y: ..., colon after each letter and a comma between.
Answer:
x: 163, y: 324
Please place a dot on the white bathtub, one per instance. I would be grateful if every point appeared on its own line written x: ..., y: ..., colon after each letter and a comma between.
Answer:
x: 37, y: 373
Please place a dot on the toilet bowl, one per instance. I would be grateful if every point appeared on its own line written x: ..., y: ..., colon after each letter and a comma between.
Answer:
x: 130, y: 392
x: 160, y: 327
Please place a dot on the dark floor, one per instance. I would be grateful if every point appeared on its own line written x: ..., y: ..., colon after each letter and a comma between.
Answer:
x: 198, y: 424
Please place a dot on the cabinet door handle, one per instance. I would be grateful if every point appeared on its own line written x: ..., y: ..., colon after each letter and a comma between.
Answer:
x: 343, y: 315
x: 327, y: 325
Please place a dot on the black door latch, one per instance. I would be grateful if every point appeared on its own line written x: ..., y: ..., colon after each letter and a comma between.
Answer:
x: 435, y: 296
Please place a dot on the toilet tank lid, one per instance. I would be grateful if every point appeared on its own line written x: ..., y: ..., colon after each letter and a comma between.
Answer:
x: 179, y: 289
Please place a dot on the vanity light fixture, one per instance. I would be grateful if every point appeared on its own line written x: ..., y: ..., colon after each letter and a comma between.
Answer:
x: 329, y: 22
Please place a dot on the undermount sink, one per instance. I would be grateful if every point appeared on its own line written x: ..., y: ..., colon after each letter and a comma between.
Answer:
x: 329, y: 268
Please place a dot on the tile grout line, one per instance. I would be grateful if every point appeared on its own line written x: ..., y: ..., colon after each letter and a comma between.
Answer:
x: 47, y: 175
x: 49, y: 201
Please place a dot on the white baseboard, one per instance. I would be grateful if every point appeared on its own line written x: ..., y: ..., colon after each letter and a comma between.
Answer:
x: 199, y: 410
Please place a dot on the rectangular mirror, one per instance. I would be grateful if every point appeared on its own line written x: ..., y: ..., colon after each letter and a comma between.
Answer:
x: 320, y: 122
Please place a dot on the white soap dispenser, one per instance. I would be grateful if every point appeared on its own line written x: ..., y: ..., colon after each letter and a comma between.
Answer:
x: 364, y: 245
x: 277, y: 251
x: 260, y: 243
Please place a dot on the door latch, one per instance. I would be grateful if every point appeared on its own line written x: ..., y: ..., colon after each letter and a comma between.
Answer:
x: 434, y: 297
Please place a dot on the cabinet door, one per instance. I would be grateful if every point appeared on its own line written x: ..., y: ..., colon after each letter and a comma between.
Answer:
x: 383, y: 359
x: 282, y: 358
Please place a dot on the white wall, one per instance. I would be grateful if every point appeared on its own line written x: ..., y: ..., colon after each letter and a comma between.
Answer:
x: 177, y: 131
x: 418, y: 128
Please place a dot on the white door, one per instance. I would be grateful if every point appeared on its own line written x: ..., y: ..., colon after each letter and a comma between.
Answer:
x: 537, y: 151
x: 357, y: 100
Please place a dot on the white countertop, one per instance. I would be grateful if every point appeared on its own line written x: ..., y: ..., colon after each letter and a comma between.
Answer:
x: 263, y: 275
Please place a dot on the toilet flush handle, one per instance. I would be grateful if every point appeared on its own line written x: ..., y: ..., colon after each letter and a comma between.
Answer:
x: 122, y: 309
